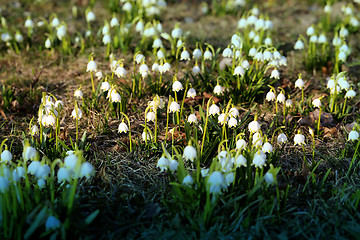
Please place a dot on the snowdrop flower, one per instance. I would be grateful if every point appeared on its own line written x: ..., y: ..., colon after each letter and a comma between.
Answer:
x: 52, y: 223
x: 281, y: 98
x: 123, y: 128
x: 267, y: 55
x: 354, y: 22
x: 139, y: 58
x: 282, y: 138
x: 48, y: 43
x: 344, y: 85
x: 245, y: 64
x: 252, y: 52
x: 327, y: 8
x: 179, y: 43
x: 144, y: 70
x: 177, y: 86
x: 149, y: 32
x: 233, y: 112
x: 322, y: 39
x: 70, y: 161
x: 34, y: 130
x: 139, y: 27
x: 229, y: 178
x: 106, y: 30
x: 254, y: 126
x: 61, y: 32
x: 150, y: 116
x: 6, y: 156
x: 18, y: 37
x: 114, y: 22
x: 317, y: 103
x: 240, y: 161
x: 127, y: 7
x: 242, y: 23
x: 353, y: 135
x: 191, y: 93
x: 105, y: 86
x: 77, y: 115
x: 216, y: 182
x: 196, y: 69
x: 336, y: 41
x: 232, y: 122
x: 267, y: 148
x: 269, y: 178
x: 120, y: 72
x: 188, y: 181
x: 90, y: 16
x: 299, y: 45
x: 48, y: 120
x: 299, y: 83
x: 241, y: 144
x: 4, y: 184
x: 29, y: 153
x: 221, y: 119
x: 55, y: 22
x: 299, y: 139
x: 350, y: 94
x: 29, y: 23
x: 252, y: 34
x: 160, y: 54
x: 342, y: 56
x: 78, y: 93
x: 189, y: 153
x: 214, y: 109
x: 207, y: 55
x: 275, y: 74
x: 227, y: 53
x: 64, y: 174
x: 276, y: 55
x: 257, y: 140
x: 192, y: 118
x: 259, y: 56
x: 176, y: 33
x: 270, y: 96
x: 343, y: 33
x: 268, y: 41
x: 155, y: 67
x: 259, y: 160
x: 205, y: 172
x: 185, y: 55
x: 42, y: 171
x: 173, y: 165
x: 106, y: 39
x: 313, y: 39
x: 91, y: 66
x: 115, y: 97
x: 197, y: 54
x: 239, y: 71
x: 41, y: 183
x: 6, y: 37
x: 33, y: 167
x: 218, y: 90
x: 174, y: 107
x: 86, y: 170
x: 288, y: 103
x: 310, y: 31
x: 157, y: 43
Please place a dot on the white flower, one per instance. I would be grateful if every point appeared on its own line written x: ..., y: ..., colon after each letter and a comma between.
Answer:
x: 269, y: 178
x: 281, y: 98
x: 6, y: 37
x: 342, y: 56
x: 196, y: 69
x: 105, y: 86
x: 177, y: 86
x: 313, y: 39
x: 115, y: 97
x: 353, y: 135
x: 215, y: 182
x: 322, y: 39
x: 91, y: 66
x: 245, y: 64
x: 29, y: 153
x: 258, y: 161
x: 43, y: 172
x: 310, y: 31
x: 174, y: 107
x: 4, y: 184
x: 241, y: 144
x: 214, y: 109
x: 197, y: 54
x: 48, y: 43
x: 218, y: 89
x: 86, y: 170
x: 29, y: 23
x: 268, y: 41
x: 185, y: 55
x: 270, y: 96
x: 120, y: 72
x: 34, y: 130
x: 70, y: 161
x: 239, y: 71
x: 229, y: 178
x: 106, y: 39
x: 299, y: 139
x: 41, y: 183
x: 114, y: 22
x: 150, y: 116
x: 192, y: 118
x: 61, y: 32
x: 33, y: 167
x: 191, y: 93
x: 256, y: 139
x: 173, y: 165
x: 227, y: 53
x: 233, y: 112
x: 299, y: 83
x: 207, y: 55
x: 316, y: 102
x: 254, y: 126
x: 6, y: 156
x: 139, y: 27
x: 139, y: 58
x: 77, y: 114
x: 78, y: 94
x: 155, y: 67
x: 52, y: 223
x: 123, y: 128
x: 350, y: 94
x: 221, y: 119
x: 127, y: 7
x: 267, y: 55
x: 188, y: 181
x: 252, y: 52
x: 267, y: 148
x: 275, y: 74
x: 288, y: 103
x: 144, y: 70
x: 299, y: 45
x: 327, y: 8
x: 259, y: 56
x: 176, y: 33
x: 64, y: 174
x: 90, y: 17
x: 189, y: 153
x: 18, y: 37
x: 336, y: 41
x: 157, y: 43
x: 240, y: 161
x: 232, y: 122
x: 282, y: 138
x: 55, y: 22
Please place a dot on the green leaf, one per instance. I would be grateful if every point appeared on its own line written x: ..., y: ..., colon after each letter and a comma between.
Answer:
x: 92, y: 216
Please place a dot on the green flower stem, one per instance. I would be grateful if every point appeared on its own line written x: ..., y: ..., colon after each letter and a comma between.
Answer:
x: 127, y: 119
x: 318, y: 124
x: 92, y: 83
x: 206, y: 123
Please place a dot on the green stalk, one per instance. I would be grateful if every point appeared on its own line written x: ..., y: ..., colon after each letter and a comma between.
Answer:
x: 318, y: 124
x: 206, y: 123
